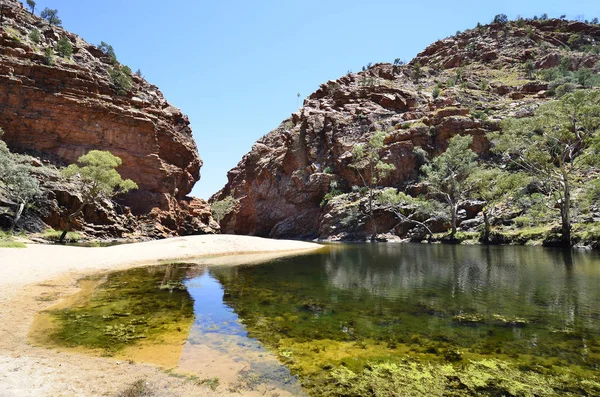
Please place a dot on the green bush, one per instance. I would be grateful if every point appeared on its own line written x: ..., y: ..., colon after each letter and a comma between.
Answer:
x: 120, y: 77
x: 500, y: 18
x: 436, y: 92
x: 51, y: 16
x: 54, y: 235
x: 49, y: 56
x: 222, y: 207
x: 564, y: 89
x: 35, y: 36
x: 64, y: 47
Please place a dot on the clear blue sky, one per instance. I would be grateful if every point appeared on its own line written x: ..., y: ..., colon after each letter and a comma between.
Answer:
x: 235, y: 67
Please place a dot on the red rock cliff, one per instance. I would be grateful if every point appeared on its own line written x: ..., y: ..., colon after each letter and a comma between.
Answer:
x: 71, y: 107
x: 465, y: 84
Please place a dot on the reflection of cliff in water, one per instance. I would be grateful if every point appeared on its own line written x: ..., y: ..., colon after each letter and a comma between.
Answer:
x: 556, y: 279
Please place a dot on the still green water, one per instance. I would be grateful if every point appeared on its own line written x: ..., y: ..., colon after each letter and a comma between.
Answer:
x: 415, y: 320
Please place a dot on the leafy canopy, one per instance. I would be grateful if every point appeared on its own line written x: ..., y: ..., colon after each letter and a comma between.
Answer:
x: 16, y: 181
x: 367, y: 160
x: 64, y: 47
x: 99, y: 176
x: 51, y: 16
x: 446, y: 175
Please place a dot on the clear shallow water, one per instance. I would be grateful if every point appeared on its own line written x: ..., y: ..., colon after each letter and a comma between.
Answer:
x: 534, y: 310
x: 383, y: 319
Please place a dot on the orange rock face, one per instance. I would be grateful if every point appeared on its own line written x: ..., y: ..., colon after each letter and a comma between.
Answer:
x: 68, y: 108
x: 463, y: 85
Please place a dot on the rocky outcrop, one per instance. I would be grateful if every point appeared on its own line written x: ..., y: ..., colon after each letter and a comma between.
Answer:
x: 465, y: 84
x: 60, y: 110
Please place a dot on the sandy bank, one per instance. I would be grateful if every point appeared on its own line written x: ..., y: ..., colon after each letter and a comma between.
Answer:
x: 37, y: 262
x: 37, y: 277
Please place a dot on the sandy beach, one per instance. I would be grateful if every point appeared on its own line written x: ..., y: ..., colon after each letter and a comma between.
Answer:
x: 39, y: 276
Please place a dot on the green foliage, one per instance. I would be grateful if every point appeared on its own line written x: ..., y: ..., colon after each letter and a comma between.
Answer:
x: 64, y: 47
x: 550, y: 74
x: 586, y: 77
x: 575, y: 40
x: 49, y: 56
x: 16, y: 181
x: 333, y: 192
x: 12, y: 244
x: 411, y: 209
x: 529, y: 69
x: 120, y: 77
x: 213, y: 383
x: 35, y: 36
x: 366, y: 161
x: 494, y: 184
x: 500, y: 18
x: 109, y: 51
x: 99, y: 176
x: 436, y: 92
x: 416, y: 72
x: 222, y: 207
x: 446, y: 176
x: 450, y: 82
x: 31, y: 5
x: 555, y: 145
x: 54, y: 235
x: 51, y: 16
x: 565, y: 65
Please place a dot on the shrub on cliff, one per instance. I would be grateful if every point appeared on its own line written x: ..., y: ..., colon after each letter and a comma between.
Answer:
x: 49, y: 56
x: 120, y: 77
x: 99, y: 180
x: 500, y: 18
x: 64, y: 48
x: 35, y: 36
x: 222, y: 207
x: 109, y: 51
x: 51, y: 16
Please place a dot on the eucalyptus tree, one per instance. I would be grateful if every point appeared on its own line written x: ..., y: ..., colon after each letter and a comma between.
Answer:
x: 367, y: 162
x: 555, y: 147
x: 99, y: 180
x: 446, y: 175
x: 16, y: 182
x: 493, y: 185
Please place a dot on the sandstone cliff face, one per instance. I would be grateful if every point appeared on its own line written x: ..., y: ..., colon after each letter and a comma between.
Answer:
x: 63, y: 110
x: 279, y: 185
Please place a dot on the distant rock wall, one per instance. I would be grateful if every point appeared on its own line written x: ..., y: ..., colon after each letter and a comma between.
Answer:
x: 465, y: 84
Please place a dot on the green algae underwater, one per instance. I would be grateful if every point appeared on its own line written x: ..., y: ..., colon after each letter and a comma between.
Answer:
x: 142, y: 313
x: 390, y: 319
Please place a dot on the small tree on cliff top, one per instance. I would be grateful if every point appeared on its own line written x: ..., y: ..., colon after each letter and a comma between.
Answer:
x: 99, y: 180
x: 31, y: 5
x: 367, y: 162
x: 51, y: 16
